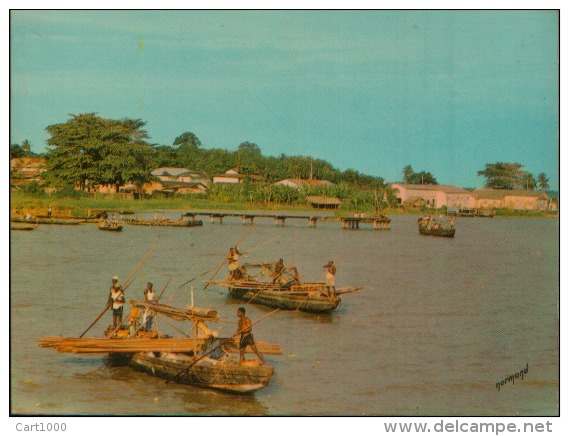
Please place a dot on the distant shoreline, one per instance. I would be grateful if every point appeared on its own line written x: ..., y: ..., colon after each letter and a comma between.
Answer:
x: 21, y: 204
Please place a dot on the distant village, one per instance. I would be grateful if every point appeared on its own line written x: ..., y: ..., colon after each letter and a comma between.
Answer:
x: 171, y: 181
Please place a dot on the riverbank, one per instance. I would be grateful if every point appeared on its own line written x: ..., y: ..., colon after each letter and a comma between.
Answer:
x: 22, y: 203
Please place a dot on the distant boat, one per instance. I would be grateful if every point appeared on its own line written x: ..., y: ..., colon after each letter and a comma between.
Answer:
x: 433, y: 227
x: 110, y: 226
x: 23, y: 226
x: 49, y: 221
x: 166, y: 223
x: 287, y: 294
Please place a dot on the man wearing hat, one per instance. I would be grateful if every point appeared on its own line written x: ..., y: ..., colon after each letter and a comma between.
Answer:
x: 331, y: 278
x: 116, y: 297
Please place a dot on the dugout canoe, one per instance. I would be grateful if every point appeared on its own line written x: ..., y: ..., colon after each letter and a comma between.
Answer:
x: 214, y: 374
x: 65, y: 222
x: 23, y: 226
x: 314, y: 301
x: 110, y: 227
x: 287, y: 293
x: 445, y: 232
x: 166, y: 223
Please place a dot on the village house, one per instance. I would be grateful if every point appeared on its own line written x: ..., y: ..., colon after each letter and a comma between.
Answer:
x: 24, y: 170
x: 514, y: 199
x: 300, y: 183
x: 233, y: 176
x: 434, y: 196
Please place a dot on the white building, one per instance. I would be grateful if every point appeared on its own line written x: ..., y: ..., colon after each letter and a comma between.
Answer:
x: 435, y: 196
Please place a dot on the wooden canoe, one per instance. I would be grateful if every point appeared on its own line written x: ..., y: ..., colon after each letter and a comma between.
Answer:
x: 65, y: 222
x: 110, y: 228
x: 166, y: 223
x: 23, y: 226
x: 215, y: 374
x: 445, y: 232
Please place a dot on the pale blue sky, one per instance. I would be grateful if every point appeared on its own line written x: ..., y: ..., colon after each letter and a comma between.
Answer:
x: 444, y: 91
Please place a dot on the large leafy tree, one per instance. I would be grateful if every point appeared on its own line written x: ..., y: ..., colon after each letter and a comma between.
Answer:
x: 421, y: 178
x: 90, y: 150
x: 501, y: 175
x: 543, y: 181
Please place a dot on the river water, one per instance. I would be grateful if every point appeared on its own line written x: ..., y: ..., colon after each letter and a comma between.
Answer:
x: 439, y: 323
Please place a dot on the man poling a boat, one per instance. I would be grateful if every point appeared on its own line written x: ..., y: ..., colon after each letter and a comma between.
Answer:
x: 245, y: 327
x: 116, y: 298
x: 233, y: 259
x: 279, y: 269
x: 331, y: 278
x: 148, y: 313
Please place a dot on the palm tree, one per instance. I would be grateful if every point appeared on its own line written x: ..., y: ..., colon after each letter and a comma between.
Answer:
x: 529, y: 182
x: 26, y: 146
x: 543, y: 181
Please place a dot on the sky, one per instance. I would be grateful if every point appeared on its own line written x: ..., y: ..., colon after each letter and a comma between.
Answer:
x: 443, y: 91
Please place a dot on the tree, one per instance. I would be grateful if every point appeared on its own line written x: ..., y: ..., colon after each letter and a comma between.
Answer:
x: 501, y: 175
x: 529, y: 183
x: 248, y: 156
x: 89, y: 150
x: 22, y: 150
x: 187, y: 142
x: 408, y: 173
x: 543, y: 181
x: 422, y: 178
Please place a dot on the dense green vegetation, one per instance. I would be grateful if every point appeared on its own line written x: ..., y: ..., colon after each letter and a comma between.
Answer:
x: 501, y: 175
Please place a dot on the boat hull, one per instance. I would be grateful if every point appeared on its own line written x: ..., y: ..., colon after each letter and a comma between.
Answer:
x: 111, y: 229
x: 63, y: 222
x: 222, y: 377
x: 313, y: 302
x: 23, y: 227
x: 448, y: 233
x: 189, y: 223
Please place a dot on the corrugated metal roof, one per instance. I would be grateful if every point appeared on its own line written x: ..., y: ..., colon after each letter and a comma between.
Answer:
x: 449, y: 189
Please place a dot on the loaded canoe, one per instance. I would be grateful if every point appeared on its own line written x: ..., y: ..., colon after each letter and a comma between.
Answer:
x: 313, y: 302
x: 214, y: 374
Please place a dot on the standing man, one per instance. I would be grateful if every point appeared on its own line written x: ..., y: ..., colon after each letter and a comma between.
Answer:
x: 148, y: 313
x: 49, y: 211
x: 233, y: 258
x: 245, y: 327
x: 331, y: 278
x: 116, y: 297
x: 279, y: 269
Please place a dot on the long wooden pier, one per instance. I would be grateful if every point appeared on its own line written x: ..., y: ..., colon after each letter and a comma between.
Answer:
x: 353, y: 223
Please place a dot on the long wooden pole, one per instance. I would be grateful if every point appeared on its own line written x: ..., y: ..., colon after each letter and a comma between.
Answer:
x: 225, y: 260
x: 220, y: 345
x: 238, y: 242
x: 160, y: 296
x: 108, y: 305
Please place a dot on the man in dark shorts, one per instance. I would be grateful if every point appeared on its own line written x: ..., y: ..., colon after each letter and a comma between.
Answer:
x: 245, y: 327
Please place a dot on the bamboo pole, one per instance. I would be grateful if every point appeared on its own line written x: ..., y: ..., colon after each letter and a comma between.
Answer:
x: 220, y: 345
